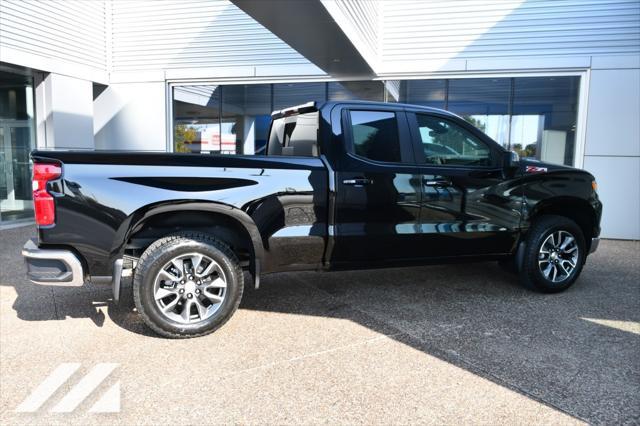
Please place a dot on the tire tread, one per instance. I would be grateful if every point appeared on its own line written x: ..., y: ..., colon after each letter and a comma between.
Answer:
x: 527, y: 274
x: 155, y: 249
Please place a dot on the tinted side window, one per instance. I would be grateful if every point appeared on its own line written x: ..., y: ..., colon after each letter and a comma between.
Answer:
x: 375, y: 135
x: 296, y: 135
x: 447, y: 143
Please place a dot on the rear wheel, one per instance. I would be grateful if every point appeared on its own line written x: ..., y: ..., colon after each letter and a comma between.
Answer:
x: 187, y: 285
x: 554, y: 254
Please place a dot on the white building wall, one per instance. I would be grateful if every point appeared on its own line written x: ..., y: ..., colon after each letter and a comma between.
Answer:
x: 131, y: 116
x: 66, y: 37
x: 197, y: 39
x: 612, y: 150
x: 64, y: 112
x: 476, y: 35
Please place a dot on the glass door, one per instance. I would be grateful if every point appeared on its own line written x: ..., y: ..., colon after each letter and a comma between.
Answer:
x: 15, y: 170
x: 17, y: 138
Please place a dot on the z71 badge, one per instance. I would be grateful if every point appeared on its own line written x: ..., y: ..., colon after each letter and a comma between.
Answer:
x: 535, y: 169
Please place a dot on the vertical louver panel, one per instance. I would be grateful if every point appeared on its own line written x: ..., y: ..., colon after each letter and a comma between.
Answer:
x: 359, y: 19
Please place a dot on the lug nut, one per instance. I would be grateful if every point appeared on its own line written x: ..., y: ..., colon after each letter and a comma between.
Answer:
x: 197, y: 291
x: 182, y: 282
x: 181, y: 290
x: 190, y: 295
x: 190, y: 277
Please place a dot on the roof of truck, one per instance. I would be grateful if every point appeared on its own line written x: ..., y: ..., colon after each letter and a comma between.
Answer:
x: 318, y: 106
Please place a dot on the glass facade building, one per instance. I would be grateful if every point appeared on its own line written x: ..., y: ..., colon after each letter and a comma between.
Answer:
x: 558, y: 82
x: 535, y: 116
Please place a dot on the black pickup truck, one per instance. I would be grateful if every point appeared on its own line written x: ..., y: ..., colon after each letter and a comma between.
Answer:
x: 342, y: 185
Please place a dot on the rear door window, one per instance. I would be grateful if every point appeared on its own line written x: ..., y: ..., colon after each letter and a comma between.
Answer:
x: 296, y: 135
x: 375, y: 135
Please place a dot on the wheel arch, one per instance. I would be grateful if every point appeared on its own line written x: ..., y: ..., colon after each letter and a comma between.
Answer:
x: 574, y: 208
x: 226, y: 222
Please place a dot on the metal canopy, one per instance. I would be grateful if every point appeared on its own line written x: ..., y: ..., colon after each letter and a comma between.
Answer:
x: 308, y: 27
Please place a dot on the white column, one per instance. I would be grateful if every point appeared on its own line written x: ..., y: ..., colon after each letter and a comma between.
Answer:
x: 249, y: 134
x: 612, y: 150
x: 64, y: 112
x: 131, y: 116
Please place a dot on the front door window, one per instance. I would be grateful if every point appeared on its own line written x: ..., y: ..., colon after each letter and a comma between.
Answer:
x: 446, y: 143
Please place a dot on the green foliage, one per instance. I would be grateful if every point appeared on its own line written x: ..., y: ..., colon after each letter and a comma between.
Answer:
x: 183, y: 136
x: 475, y: 122
x: 528, y: 151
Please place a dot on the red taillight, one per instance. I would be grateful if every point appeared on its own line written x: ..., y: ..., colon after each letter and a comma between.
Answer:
x: 43, y: 204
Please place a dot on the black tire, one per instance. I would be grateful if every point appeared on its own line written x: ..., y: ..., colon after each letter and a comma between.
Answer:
x: 161, y: 252
x: 531, y: 275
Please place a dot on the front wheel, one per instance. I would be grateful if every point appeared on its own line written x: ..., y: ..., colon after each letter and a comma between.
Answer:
x: 187, y: 285
x: 554, y: 254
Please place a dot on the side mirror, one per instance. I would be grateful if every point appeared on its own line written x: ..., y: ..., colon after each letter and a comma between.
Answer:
x: 510, y: 160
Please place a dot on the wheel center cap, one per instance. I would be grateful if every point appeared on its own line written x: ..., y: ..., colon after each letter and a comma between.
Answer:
x: 554, y: 255
x: 190, y: 287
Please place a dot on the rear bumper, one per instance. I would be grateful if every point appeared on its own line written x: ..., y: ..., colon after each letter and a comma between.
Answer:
x: 52, y: 266
x: 595, y: 242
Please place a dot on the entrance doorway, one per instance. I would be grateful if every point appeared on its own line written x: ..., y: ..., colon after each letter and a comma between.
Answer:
x: 15, y: 170
x: 16, y: 141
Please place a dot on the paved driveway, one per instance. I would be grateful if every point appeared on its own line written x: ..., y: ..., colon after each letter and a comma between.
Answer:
x: 442, y: 344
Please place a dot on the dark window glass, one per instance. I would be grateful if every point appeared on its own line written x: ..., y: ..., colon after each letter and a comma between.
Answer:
x: 356, y: 90
x: 545, y: 111
x: 196, y: 119
x: 286, y: 95
x: 429, y: 93
x: 296, y: 135
x: 246, y: 115
x: 17, y: 138
x: 446, y: 143
x: 483, y: 102
x: 13, y: 101
x: 375, y: 135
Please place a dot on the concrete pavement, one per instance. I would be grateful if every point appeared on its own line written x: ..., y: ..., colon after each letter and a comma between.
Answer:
x: 436, y: 345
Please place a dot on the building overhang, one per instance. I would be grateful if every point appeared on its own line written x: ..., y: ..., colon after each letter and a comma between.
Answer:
x: 310, y: 29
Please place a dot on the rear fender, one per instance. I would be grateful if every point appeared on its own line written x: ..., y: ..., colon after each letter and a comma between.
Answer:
x: 137, y: 220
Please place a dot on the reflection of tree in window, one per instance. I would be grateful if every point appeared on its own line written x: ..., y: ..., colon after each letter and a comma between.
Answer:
x: 528, y: 151
x: 446, y: 143
x: 183, y: 136
x: 475, y: 123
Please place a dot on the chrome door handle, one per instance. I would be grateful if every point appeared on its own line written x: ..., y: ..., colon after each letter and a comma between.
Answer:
x: 357, y: 182
x: 436, y: 182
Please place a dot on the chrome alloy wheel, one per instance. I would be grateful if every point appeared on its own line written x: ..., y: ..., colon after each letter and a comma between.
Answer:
x: 190, y: 288
x: 558, y: 256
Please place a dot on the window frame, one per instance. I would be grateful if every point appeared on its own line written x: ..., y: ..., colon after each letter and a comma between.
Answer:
x: 407, y: 157
x: 494, y: 148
